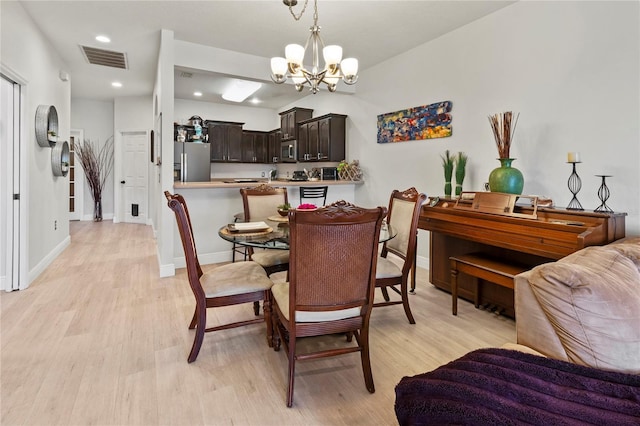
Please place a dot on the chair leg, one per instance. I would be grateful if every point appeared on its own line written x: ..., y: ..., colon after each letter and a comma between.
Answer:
x: 200, y: 328
x: 192, y: 325
x: 385, y: 293
x: 292, y: 370
x: 366, y: 360
x: 267, y: 317
x: 405, y: 301
x: 256, y: 308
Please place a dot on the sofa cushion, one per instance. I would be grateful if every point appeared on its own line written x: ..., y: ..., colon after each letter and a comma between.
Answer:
x: 592, y: 300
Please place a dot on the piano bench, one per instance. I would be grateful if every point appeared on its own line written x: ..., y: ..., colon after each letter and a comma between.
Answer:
x: 479, y: 265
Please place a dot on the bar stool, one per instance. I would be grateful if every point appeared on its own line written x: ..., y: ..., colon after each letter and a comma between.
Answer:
x: 314, y: 192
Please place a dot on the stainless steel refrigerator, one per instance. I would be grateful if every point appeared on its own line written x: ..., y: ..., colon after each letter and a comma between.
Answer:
x: 192, y: 161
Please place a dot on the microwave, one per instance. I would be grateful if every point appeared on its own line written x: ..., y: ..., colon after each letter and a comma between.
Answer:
x: 288, y: 151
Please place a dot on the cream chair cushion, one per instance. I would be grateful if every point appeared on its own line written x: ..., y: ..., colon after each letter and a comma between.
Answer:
x: 401, y: 216
x: 272, y: 257
x: 592, y: 300
x: 235, y: 278
x: 387, y: 268
x: 280, y: 293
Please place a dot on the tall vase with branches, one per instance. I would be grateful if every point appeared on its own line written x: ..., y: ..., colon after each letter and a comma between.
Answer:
x: 97, y: 163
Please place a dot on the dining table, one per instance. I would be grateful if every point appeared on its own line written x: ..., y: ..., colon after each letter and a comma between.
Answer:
x: 273, y: 233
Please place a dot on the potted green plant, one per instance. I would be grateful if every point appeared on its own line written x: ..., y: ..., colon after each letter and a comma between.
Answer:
x: 283, y: 209
x: 447, y: 164
x: 461, y: 164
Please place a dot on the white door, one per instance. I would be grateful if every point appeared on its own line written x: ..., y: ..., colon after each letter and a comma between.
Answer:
x: 76, y: 178
x: 9, y: 185
x: 134, y: 180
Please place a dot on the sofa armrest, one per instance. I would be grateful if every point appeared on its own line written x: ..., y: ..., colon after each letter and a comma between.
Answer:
x: 533, y: 328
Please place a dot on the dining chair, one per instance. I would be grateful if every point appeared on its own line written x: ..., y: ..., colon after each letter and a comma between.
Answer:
x: 259, y: 203
x: 226, y: 285
x: 314, y: 192
x: 331, y: 283
x: 404, y: 211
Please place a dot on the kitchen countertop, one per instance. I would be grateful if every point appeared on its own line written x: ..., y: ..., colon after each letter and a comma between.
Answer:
x: 230, y: 183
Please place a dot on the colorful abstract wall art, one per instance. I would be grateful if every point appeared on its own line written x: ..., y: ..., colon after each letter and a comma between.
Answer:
x: 423, y: 122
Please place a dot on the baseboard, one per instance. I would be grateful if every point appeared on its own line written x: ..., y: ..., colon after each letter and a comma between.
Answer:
x: 422, y: 262
x: 47, y: 260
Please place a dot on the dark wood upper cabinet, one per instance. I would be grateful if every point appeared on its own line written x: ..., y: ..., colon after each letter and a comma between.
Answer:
x: 254, y: 146
x: 273, y: 146
x: 322, y: 138
x: 225, y: 138
x: 289, y: 121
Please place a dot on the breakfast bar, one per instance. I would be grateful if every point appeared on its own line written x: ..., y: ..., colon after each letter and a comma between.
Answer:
x: 213, y: 204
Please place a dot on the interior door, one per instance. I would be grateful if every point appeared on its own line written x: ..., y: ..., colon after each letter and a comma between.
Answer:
x: 9, y: 185
x: 134, y: 194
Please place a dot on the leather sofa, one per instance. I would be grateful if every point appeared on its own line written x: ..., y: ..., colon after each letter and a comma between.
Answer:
x: 584, y: 308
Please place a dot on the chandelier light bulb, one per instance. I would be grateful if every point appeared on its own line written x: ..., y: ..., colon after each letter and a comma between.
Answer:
x: 349, y: 68
x: 332, y: 55
x: 278, y: 68
x: 294, y: 54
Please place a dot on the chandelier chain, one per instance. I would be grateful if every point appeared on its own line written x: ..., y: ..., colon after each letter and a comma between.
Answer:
x: 297, y: 18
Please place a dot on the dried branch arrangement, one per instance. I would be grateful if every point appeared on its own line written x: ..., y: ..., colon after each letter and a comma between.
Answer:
x: 97, y: 163
x: 503, y: 131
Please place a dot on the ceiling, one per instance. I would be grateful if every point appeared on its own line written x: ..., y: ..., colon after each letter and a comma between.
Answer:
x: 368, y: 30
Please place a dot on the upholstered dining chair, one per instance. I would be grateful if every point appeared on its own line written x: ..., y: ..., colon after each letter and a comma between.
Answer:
x: 260, y: 202
x: 331, y: 283
x: 314, y: 192
x: 404, y: 210
x: 230, y: 284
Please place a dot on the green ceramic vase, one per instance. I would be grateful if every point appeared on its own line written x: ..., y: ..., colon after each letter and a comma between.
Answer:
x: 506, y: 178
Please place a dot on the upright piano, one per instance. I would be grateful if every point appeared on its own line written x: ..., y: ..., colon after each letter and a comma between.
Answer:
x: 528, y: 237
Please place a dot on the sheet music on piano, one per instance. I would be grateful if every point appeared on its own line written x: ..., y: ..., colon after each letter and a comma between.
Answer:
x: 499, y: 203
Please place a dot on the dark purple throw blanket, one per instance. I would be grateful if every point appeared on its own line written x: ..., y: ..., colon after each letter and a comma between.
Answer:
x: 505, y: 387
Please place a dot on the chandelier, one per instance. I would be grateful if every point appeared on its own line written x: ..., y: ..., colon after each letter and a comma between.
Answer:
x: 292, y: 66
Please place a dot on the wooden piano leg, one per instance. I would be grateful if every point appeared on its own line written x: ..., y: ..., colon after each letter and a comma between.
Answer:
x: 476, y: 285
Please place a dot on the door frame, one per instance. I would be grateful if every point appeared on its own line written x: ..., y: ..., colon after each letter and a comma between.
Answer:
x: 20, y: 209
x: 79, y: 180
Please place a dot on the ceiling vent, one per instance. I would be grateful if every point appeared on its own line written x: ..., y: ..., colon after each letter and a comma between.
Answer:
x: 185, y: 74
x: 107, y: 58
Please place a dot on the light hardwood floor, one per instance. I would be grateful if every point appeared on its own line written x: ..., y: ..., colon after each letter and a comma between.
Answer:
x: 100, y: 339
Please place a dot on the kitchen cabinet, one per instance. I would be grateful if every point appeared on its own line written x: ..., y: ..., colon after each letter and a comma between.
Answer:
x: 254, y: 146
x: 289, y: 122
x: 225, y: 138
x: 273, y: 146
x: 322, y: 138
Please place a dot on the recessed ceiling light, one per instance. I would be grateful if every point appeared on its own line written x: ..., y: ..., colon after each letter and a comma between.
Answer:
x: 255, y: 101
x: 239, y: 90
x: 197, y: 94
x: 116, y: 84
x: 103, y: 39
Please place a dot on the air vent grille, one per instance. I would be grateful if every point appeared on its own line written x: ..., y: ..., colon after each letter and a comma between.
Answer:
x: 185, y: 74
x: 107, y: 58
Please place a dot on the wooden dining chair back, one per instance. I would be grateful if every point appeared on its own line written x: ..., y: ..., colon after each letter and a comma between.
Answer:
x: 404, y: 211
x: 259, y: 203
x: 314, y: 192
x: 230, y: 284
x: 331, y: 283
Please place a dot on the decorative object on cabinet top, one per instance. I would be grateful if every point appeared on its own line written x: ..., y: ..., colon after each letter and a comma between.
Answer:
x: 46, y: 125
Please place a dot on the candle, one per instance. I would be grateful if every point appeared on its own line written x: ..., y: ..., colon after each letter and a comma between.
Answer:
x: 573, y: 157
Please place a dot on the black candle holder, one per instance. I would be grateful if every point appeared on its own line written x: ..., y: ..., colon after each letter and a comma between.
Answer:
x: 575, y: 184
x: 603, y: 194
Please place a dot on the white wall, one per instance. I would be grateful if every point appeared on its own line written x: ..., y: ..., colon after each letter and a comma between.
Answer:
x: 96, y: 118
x: 569, y: 68
x: 46, y: 202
